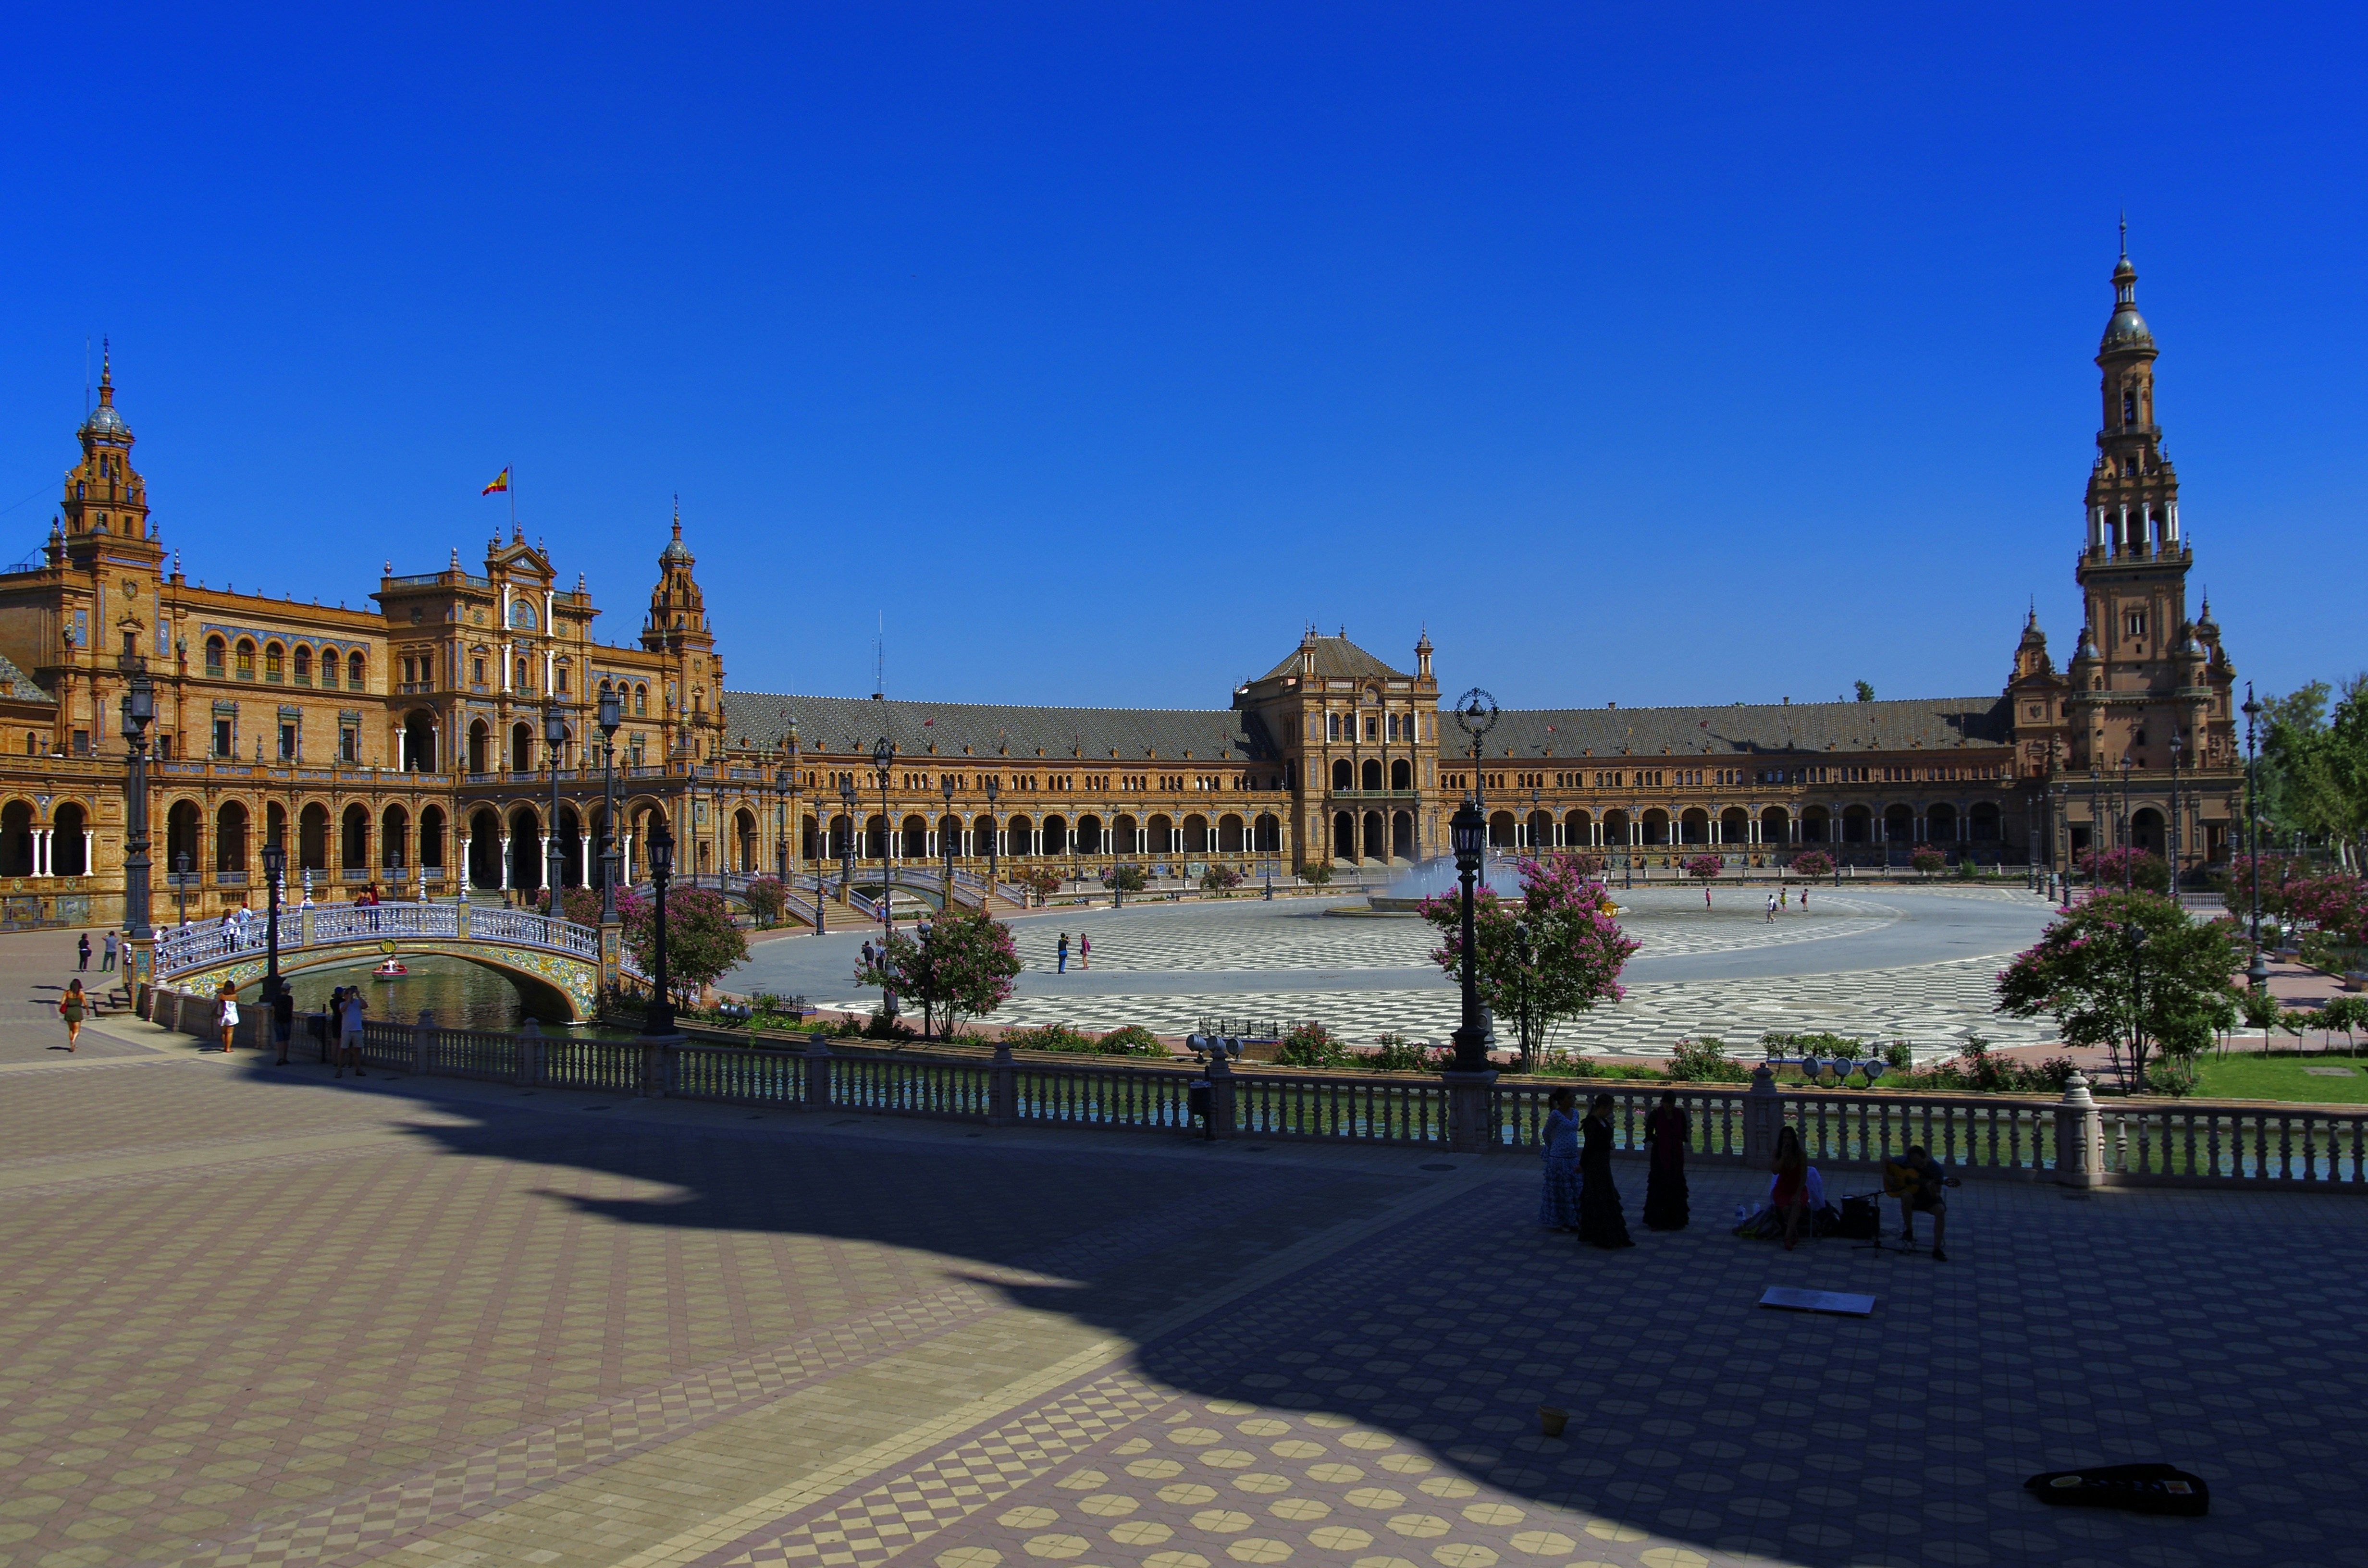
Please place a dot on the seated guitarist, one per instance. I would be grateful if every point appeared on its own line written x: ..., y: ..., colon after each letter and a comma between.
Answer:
x: 1916, y: 1180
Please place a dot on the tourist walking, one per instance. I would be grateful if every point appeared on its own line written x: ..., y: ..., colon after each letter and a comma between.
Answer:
x: 1558, y: 1203
x: 1600, y: 1222
x: 226, y: 1014
x: 82, y: 951
x: 1061, y: 965
x: 1666, y: 1133
x: 1771, y: 909
x: 1085, y: 951
x: 107, y: 953
x: 74, y: 1007
x: 349, y: 1035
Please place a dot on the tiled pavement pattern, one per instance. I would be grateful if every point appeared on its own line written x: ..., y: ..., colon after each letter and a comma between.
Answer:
x: 258, y: 1317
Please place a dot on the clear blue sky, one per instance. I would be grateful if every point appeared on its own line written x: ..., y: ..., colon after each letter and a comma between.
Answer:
x: 1101, y: 348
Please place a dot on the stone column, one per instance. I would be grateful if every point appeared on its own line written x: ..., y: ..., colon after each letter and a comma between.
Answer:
x: 503, y: 839
x: 2079, y: 1137
x: 817, y: 1065
x: 1001, y: 1089
x: 1222, y: 1090
x: 1469, y: 1097
x: 89, y: 852
x: 423, y: 1040
x: 1763, y: 1117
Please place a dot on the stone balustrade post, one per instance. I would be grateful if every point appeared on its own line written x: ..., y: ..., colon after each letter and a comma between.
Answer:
x: 1002, y: 1089
x: 817, y: 1061
x: 657, y: 1067
x: 1223, y: 1083
x: 1471, y: 1097
x: 530, y: 1055
x: 423, y: 1040
x: 2079, y: 1137
x: 1763, y: 1117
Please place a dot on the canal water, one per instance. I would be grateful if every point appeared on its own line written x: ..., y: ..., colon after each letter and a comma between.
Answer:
x: 464, y: 995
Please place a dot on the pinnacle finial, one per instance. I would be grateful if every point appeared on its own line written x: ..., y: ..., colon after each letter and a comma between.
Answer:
x: 677, y: 514
x: 2126, y: 234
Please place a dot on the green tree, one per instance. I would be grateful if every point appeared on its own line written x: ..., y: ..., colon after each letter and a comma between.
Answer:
x: 1571, y: 961
x: 1127, y: 877
x: 1927, y: 859
x: 1220, y: 879
x: 963, y: 968
x: 2133, y: 973
x: 1813, y: 864
x: 1865, y: 691
x: 1311, y: 1045
x: 2314, y: 765
x: 702, y: 943
x: 1318, y: 872
x: 767, y: 899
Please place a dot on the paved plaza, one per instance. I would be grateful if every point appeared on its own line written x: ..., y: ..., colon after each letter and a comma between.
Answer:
x: 1889, y: 963
x: 258, y: 1316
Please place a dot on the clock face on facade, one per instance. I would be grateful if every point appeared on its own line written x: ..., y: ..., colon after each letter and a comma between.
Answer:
x: 522, y: 615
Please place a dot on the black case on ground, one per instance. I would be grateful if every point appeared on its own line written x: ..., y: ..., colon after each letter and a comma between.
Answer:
x: 2141, y: 1488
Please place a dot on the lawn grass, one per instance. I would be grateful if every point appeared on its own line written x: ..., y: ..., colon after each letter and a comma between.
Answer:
x: 2250, y: 1076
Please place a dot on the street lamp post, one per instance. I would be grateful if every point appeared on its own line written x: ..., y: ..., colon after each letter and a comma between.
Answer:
x: 1468, y: 832
x: 612, y: 714
x: 2124, y: 838
x: 554, y: 735
x: 657, y: 1018
x: 2253, y: 712
x: 2173, y: 838
x: 2096, y: 827
x: 994, y: 830
x: 1522, y: 953
x: 883, y: 761
x: 138, y: 712
x: 2135, y: 936
x: 181, y: 883
x: 945, y: 844
x: 275, y: 865
x: 846, y: 840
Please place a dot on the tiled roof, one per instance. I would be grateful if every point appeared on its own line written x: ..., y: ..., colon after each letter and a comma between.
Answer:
x: 17, y: 685
x: 1742, y: 729
x: 1339, y: 659
x: 845, y: 724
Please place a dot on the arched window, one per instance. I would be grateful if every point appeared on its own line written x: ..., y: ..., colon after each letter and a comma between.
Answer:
x: 559, y: 677
x: 2130, y: 404
x: 275, y: 661
x: 304, y: 664
x: 354, y: 670
x: 245, y: 659
x: 520, y: 683
x: 640, y: 701
x: 214, y: 656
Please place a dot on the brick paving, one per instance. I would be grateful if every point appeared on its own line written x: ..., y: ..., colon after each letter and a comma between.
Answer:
x: 258, y: 1316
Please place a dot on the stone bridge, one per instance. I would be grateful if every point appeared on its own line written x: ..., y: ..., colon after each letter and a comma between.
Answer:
x: 552, y: 957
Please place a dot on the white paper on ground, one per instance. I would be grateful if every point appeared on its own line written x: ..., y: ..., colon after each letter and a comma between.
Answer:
x: 1797, y: 1300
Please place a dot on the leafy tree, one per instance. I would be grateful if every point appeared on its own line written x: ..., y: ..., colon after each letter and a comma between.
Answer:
x: 1813, y: 864
x: 767, y: 899
x: 1865, y: 691
x: 1127, y: 877
x: 2143, y: 868
x: 1705, y: 867
x: 1574, y: 951
x: 1220, y: 879
x: 702, y: 943
x: 2171, y: 991
x: 1041, y: 881
x: 1927, y: 859
x: 1705, y: 1061
x: 580, y: 906
x: 964, y: 968
x: 2314, y: 765
x: 1316, y: 871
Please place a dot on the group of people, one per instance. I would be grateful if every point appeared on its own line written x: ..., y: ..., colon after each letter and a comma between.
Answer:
x: 107, y: 949
x: 1580, y: 1196
x: 1085, y: 952
x: 1781, y: 901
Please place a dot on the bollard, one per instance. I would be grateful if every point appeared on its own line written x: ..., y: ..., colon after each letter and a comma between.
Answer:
x: 528, y: 1074
x: 1223, y: 1103
x: 423, y: 1040
x: 2079, y: 1137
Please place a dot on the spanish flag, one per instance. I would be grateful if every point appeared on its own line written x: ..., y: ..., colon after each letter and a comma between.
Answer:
x: 501, y: 482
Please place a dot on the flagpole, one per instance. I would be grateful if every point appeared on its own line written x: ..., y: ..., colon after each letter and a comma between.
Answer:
x: 512, y: 488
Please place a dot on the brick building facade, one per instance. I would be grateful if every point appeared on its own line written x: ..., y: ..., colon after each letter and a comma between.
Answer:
x: 403, y: 745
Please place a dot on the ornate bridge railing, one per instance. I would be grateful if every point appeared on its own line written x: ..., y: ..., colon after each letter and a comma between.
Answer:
x: 351, y: 925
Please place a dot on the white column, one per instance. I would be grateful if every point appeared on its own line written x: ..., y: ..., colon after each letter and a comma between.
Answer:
x: 89, y: 851
x: 40, y: 851
x: 503, y: 840
x: 461, y: 871
x: 583, y: 856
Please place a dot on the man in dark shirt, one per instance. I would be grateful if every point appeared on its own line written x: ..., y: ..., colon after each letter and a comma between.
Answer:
x: 1921, y: 1194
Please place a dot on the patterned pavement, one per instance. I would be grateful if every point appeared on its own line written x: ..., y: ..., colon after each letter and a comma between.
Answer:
x: 259, y: 1317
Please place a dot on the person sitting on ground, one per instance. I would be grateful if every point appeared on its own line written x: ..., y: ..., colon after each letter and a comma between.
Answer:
x: 1791, y: 1195
x: 1917, y: 1179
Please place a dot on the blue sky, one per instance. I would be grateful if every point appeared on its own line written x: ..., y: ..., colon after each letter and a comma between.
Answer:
x: 1099, y: 350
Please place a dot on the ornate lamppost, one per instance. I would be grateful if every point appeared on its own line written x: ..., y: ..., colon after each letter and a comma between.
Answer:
x: 657, y: 1018
x: 884, y: 762
x: 2172, y: 842
x: 846, y: 840
x: 554, y: 735
x: 1468, y: 833
x: 612, y: 714
x: 138, y: 712
x: 2123, y: 838
x: 2258, y: 972
x: 946, y: 842
x: 994, y: 830
x: 2096, y: 827
x: 275, y: 865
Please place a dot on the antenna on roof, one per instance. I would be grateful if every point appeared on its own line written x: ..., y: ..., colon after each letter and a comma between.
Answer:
x: 879, y: 660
